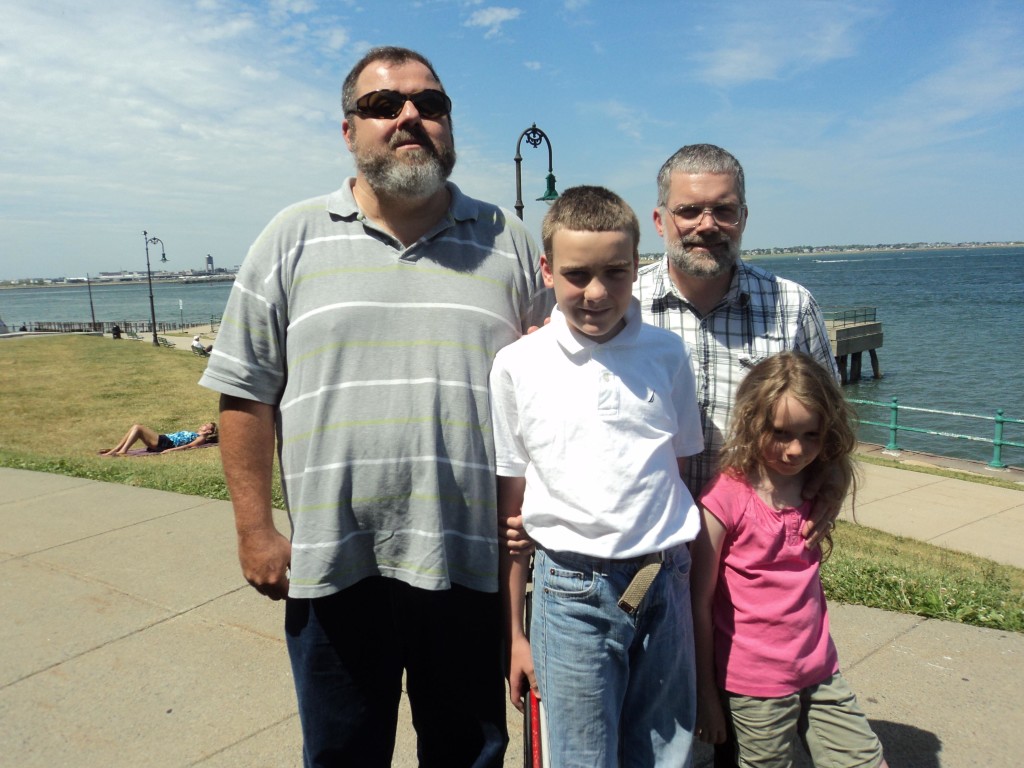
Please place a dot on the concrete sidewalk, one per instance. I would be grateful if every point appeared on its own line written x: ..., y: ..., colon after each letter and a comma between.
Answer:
x: 130, y: 638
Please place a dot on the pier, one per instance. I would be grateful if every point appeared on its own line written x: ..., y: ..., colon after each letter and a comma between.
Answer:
x: 853, y: 331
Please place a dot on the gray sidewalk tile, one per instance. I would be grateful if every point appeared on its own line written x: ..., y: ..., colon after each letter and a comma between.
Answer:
x: 131, y: 638
x: 20, y: 485
x: 166, y: 696
x: 859, y: 632
x: 247, y: 609
x: 165, y: 560
x: 50, y: 617
x: 78, y: 512
x: 946, y: 694
x: 279, y: 746
x: 999, y: 537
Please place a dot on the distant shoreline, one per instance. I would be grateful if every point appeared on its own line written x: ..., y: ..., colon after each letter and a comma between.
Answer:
x: 135, y: 281
x: 832, y: 250
x: 646, y: 258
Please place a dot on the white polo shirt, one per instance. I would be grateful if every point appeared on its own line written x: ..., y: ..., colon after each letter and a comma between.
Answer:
x: 595, y: 429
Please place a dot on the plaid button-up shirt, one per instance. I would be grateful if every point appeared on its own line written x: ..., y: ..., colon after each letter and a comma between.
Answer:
x: 760, y: 315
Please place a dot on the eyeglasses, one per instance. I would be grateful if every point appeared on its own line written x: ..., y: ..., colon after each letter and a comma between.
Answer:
x: 387, y: 105
x: 725, y: 214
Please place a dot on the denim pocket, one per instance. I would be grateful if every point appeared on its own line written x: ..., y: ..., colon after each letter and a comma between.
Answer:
x: 680, y: 563
x: 568, y: 583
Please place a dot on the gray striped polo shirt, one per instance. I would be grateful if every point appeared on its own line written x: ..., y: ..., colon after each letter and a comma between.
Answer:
x: 377, y: 358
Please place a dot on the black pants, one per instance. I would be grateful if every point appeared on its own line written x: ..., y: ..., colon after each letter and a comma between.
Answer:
x: 349, y: 651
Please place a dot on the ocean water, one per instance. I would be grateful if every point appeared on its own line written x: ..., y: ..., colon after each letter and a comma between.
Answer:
x: 190, y: 303
x: 953, y: 324
x: 953, y: 337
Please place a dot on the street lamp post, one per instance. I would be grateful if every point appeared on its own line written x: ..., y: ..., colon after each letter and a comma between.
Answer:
x: 149, y: 279
x: 534, y: 136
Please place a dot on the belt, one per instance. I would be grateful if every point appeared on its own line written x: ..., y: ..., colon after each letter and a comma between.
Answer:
x: 635, y: 593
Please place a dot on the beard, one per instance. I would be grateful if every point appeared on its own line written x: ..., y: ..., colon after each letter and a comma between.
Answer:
x: 413, y: 175
x: 715, y: 263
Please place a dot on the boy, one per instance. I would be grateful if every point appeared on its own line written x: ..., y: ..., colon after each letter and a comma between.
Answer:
x: 592, y: 415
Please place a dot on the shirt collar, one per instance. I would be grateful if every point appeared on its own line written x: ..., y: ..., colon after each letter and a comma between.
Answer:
x: 342, y: 203
x: 739, y: 292
x: 575, y: 343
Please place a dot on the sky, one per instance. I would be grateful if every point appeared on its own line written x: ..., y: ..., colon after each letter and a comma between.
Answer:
x: 856, y: 121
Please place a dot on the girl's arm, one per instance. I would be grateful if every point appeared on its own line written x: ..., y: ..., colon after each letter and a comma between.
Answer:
x: 707, y: 552
x: 514, y: 570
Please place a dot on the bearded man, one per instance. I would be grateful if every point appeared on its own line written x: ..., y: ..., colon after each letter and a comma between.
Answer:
x: 358, y: 337
x: 731, y: 314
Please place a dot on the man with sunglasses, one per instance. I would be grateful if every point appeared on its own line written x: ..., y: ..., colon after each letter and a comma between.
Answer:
x: 730, y: 314
x: 359, y: 335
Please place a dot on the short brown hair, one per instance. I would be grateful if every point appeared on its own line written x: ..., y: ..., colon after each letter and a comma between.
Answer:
x: 388, y: 53
x: 590, y: 209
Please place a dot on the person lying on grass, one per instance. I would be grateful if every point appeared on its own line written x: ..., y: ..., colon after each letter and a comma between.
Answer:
x: 160, y: 443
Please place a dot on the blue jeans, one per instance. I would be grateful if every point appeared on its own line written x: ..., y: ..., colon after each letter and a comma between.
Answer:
x: 348, y: 653
x: 618, y: 690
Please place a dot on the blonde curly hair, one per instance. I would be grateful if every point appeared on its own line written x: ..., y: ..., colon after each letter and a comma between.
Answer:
x: 751, y: 423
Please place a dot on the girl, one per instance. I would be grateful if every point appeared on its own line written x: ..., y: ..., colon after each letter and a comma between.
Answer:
x: 765, y: 658
x: 158, y: 443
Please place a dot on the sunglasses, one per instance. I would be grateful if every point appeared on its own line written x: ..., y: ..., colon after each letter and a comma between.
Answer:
x: 386, y: 105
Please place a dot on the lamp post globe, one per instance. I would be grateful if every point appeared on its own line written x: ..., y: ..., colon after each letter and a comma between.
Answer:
x: 534, y: 136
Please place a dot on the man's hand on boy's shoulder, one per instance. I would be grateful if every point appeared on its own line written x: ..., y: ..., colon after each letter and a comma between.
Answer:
x: 515, y: 536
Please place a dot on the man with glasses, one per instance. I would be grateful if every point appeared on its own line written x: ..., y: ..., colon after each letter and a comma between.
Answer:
x: 730, y: 314
x: 359, y: 336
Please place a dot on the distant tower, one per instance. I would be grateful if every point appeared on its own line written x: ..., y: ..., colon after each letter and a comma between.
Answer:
x: 209, y: 264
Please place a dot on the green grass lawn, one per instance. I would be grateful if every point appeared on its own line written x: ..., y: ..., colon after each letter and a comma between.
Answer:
x: 67, y: 397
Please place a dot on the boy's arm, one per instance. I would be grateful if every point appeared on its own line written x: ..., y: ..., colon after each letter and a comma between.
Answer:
x: 514, y: 570
x: 707, y: 552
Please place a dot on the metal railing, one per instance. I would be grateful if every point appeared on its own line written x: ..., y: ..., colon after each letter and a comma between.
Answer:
x: 997, y: 441
x: 136, y: 326
x: 841, y: 316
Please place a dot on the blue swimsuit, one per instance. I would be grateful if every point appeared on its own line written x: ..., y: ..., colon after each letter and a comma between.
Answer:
x: 182, y: 438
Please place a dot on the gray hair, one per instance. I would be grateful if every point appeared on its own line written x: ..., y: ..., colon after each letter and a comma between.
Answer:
x: 700, y: 158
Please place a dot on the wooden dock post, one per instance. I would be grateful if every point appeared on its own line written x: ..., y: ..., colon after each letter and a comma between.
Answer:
x: 852, y: 332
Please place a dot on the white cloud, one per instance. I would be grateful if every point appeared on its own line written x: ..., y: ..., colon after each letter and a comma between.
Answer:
x: 129, y: 117
x: 535, y: 66
x: 334, y: 39
x: 492, y: 19
x: 623, y: 119
x: 775, y: 41
x: 292, y: 6
x: 982, y: 78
